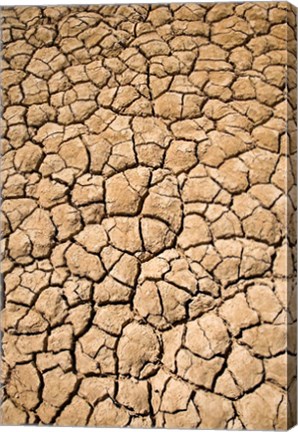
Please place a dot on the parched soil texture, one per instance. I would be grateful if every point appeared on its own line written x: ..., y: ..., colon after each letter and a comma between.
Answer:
x: 148, y: 215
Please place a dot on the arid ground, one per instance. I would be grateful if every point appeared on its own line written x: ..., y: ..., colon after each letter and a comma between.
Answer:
x: 148, y: 215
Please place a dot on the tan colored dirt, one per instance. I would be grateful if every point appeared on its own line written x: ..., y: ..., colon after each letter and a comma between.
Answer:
x: 148, y: 215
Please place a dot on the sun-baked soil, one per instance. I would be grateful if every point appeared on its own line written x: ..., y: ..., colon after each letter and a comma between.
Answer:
x: 148, y: 215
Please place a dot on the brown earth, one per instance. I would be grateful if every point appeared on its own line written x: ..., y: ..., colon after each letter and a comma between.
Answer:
x: 148, y: 215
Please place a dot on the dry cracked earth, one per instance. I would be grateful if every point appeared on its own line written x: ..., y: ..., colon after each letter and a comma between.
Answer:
x: 148, y: 215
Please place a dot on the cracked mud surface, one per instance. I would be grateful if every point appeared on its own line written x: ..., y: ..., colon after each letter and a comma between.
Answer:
x: 148, y: 216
